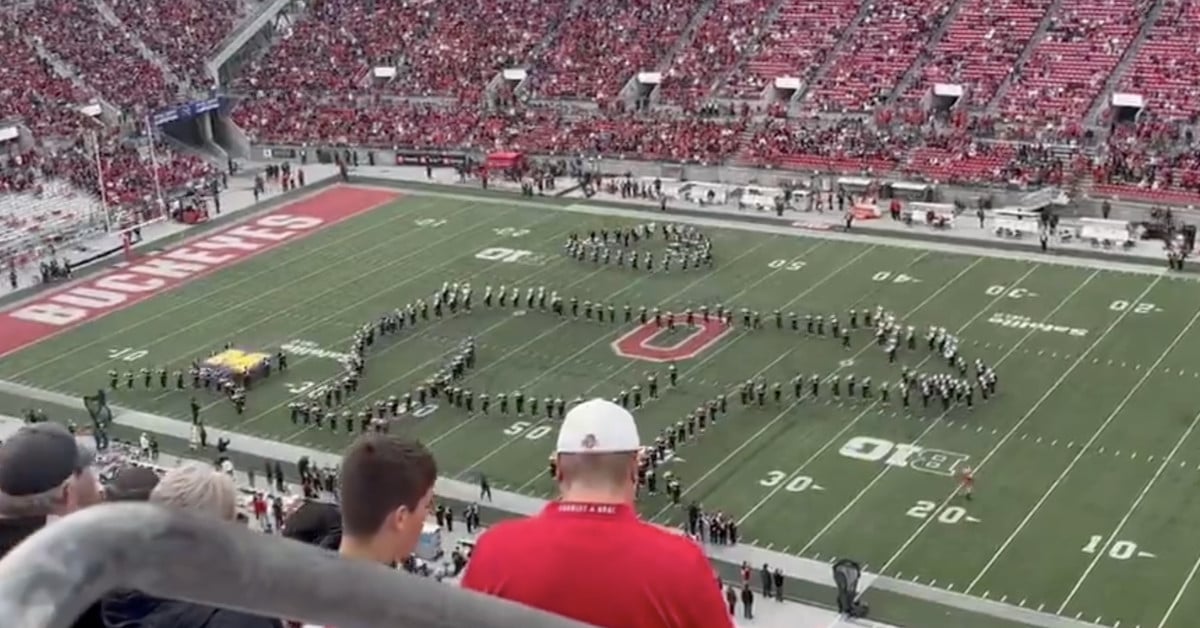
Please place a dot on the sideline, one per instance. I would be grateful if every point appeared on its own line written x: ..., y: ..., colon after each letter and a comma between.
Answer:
x: 812, y: 571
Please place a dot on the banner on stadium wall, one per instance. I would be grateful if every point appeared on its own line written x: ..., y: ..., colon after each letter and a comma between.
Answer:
x: 186, y: 111
x: 432, y: 158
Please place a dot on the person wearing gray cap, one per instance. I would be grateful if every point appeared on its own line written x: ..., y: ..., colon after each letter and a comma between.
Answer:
x: 45, y: 473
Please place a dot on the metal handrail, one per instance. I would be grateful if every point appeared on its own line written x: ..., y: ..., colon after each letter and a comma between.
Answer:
x: 53, y: 576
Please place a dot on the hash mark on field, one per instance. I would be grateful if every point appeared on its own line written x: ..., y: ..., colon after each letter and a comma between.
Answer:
x: 1054, y: 443
x: 915, y: 578
x: 986, y: 593
x: 1039, y: 439
x: 1041, y: 606
x: 1003, y: 598
x: 1021, y: 603
x: 978, y: 428
x: 1079, y: 614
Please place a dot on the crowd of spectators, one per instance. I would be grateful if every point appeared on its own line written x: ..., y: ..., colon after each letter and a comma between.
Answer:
x: 30, y: 91
x: 725, y: 34
x: 849, y: 145
x: 980, y: 47
x: 315, y: 85
x: 795, y: 45
x: 639, y: 574
x: 195, y: 30
x: 1068, y: 68
x: 604, y: 44
x: 470, y: 41
x: 333, y: 49
x: 890, y: 36
x: 100, y: 54
x: 1166, y: 66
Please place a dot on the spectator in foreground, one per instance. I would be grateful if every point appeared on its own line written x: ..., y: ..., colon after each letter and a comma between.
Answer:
x: 131, y: 483
x: 45, y: 473
x: 387, y: 487
x: 127, y: 607
x: 588, y: 556
x: 205, y: 491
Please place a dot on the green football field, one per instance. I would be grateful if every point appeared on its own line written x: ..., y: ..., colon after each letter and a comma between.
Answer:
x: 1085, y: 459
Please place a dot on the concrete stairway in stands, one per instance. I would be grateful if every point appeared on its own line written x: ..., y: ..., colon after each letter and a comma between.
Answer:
x: 686, y: 37
x: 836, y: 53
x: 1019, y: 64
x: 914, y: 70
x: 1131, y: 53
x: 110, y: 16
x: 752, y: 48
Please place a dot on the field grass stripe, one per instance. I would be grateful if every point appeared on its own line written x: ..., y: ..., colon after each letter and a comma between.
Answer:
x: 223, y: 287
x: 1087, y: 445
x: 503, y: 445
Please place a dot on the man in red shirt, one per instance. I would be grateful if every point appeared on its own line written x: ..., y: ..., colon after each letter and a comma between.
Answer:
x: 588, y: 556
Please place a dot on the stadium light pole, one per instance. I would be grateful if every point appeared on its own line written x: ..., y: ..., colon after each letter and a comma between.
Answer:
x: 162, y: 205
x: 94, y: 140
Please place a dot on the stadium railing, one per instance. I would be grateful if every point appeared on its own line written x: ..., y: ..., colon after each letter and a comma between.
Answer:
x: 53, y: 576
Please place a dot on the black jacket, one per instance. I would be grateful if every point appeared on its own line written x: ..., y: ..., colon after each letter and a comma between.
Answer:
x: 171, y: 614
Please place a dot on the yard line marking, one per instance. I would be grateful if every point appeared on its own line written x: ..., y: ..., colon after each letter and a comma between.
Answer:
x: 224, y: 287
x: 503, y: 445
x: 1133, y: 507
x: 1178, y: 594
x: 837, y: 437
x: 742, y: 334
x: 1095, y: 436
x: 879, y: 476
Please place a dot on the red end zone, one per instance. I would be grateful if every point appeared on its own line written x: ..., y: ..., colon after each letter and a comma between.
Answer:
x: 95, y: 296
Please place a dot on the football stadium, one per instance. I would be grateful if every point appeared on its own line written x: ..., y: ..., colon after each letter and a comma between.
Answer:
x: 898, y: 294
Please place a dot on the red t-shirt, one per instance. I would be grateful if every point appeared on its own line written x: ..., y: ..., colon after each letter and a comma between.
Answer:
x: 599, y: 564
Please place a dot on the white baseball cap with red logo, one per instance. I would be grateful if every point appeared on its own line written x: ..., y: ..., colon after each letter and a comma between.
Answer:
x: 598, y: 426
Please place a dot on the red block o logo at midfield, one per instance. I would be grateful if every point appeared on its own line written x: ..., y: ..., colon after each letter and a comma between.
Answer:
x: 638, y: 344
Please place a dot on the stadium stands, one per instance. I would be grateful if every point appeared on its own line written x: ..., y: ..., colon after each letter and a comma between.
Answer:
x: 32, y: 93
x: 1069, y: 66
x: 315, y: 84
x: 468, y: 42
x: 604, y: 44
x: 196, y: 28
x: 334, y: 46
x: 981, y: 46
x: 723, y: 36
x: 99, y: 53
x: 795, y: 45
x: 1165, y: 69
x: 863, y: 73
